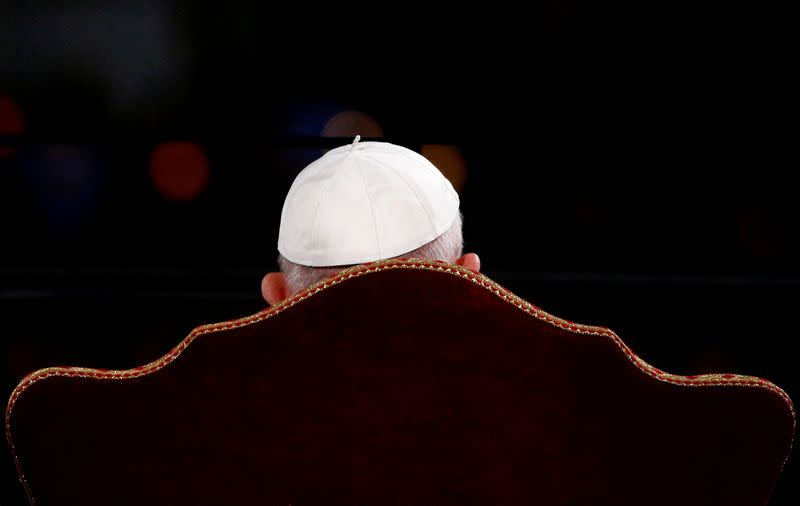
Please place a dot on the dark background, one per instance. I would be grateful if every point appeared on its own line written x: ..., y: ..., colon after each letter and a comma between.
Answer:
x: 627, y: 164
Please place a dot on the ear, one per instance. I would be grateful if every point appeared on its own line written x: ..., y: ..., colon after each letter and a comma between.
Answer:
x: 470, y: 261
x: 273, y: 288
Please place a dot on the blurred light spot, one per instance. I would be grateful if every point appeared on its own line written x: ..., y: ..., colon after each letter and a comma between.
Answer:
x: 351, y: 123
x: 11, y: 122
x: 180, y: 170
x: 143, y: 35
x: 66, y: 181
x: 450, y: 162
x: 307, y: 120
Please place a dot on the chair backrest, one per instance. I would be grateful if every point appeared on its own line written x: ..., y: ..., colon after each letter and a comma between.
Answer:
x: 398, y: 382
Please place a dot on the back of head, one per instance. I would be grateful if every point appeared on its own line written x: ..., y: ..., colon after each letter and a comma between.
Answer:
x: 447, y: 247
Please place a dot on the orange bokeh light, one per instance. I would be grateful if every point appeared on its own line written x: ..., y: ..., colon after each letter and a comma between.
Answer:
x: 11, y: 121
x: 179, y: 170
x: 450, y: 162
x: 352, y: 123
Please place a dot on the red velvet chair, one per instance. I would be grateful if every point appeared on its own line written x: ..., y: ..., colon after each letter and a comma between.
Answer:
x: 398, y: 382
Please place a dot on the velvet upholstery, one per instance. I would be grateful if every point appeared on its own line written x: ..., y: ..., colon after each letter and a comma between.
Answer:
x: 399, y: 382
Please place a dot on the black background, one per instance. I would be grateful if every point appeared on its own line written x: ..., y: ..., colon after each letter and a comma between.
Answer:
x: 629, y: 164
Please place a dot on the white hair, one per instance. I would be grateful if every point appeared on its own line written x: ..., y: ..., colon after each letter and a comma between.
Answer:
x: 447, y: 247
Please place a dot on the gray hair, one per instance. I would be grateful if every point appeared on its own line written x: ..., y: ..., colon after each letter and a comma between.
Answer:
x: 447, y: 247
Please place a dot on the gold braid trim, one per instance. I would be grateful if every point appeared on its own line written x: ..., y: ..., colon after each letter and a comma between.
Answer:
x: 381, y: 265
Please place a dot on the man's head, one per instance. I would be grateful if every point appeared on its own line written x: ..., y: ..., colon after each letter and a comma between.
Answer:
x: 361, y: 203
